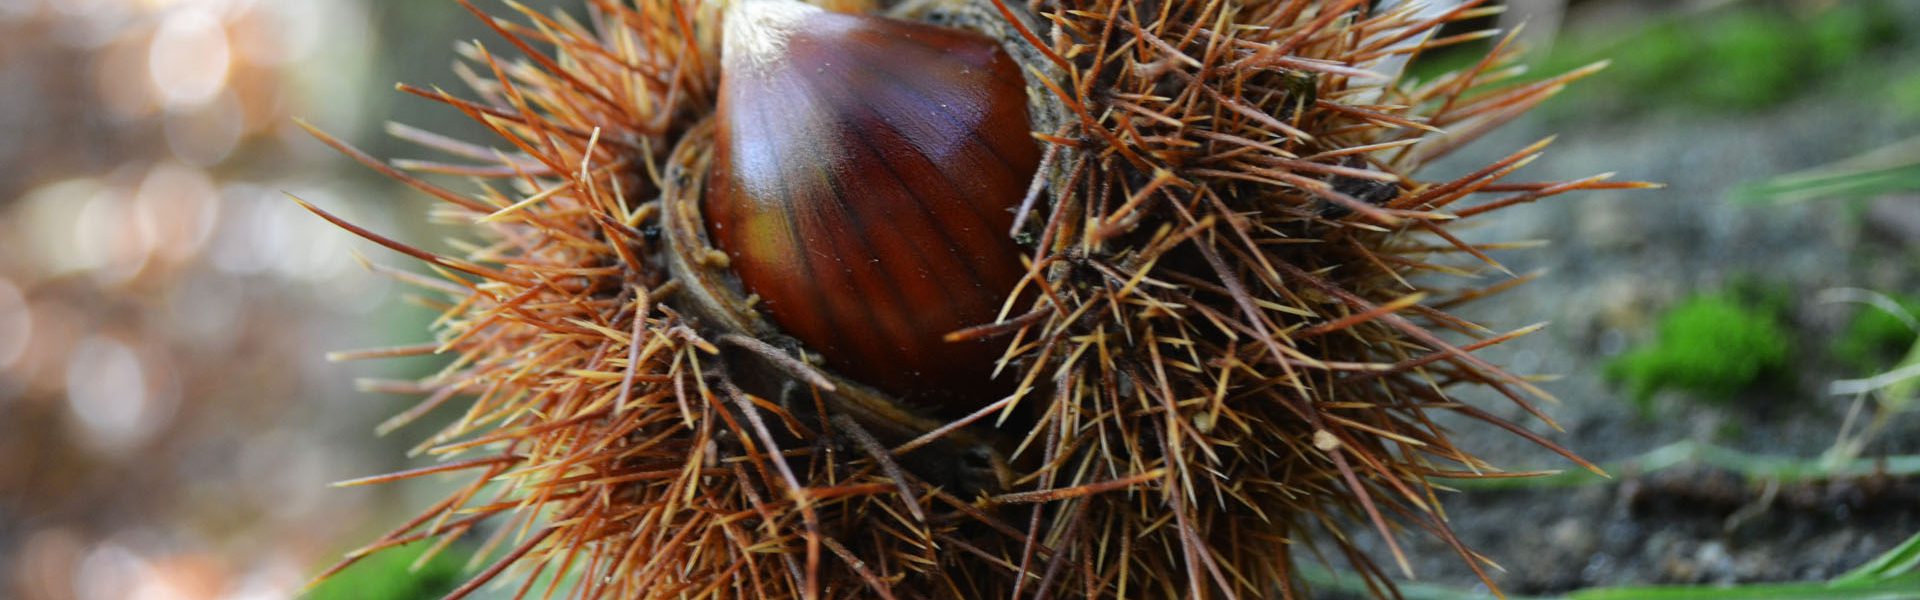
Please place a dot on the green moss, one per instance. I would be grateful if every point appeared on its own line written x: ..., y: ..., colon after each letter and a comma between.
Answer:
x: 385, y: 576
x: 1875, y: 339
x: 1761, y: 57
x: 1839, y: 37
x: 1648, y: 62
x: 1710, y: 346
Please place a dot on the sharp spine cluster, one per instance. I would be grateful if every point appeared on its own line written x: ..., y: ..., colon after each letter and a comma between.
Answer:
x: 1217, y: 366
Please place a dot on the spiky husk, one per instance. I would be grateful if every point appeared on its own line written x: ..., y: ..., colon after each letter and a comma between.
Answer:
x: 1232, y: 355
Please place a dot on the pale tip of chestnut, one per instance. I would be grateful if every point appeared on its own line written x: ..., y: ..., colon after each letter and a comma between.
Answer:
x: 757, y: 31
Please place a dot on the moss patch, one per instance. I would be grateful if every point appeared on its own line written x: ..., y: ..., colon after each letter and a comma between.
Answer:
x: 1711, y: 346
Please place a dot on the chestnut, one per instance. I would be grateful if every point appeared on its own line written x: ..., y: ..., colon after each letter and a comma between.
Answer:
x: 862, y: 180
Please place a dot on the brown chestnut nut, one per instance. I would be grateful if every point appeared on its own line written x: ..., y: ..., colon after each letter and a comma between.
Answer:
x: 863, y: 177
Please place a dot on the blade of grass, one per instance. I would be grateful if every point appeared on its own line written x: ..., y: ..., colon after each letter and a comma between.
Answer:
x: 1751, y: 466
x: 1893, y: 168
x: 1901, y: 561
x: 1905, y: 588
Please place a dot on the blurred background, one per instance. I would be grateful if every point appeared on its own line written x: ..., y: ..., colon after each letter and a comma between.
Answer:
x: 1738, y: 348
x: 168, y: 422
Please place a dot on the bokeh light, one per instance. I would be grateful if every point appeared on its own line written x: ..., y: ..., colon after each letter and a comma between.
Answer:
x: 119, y: 399
x: 16, y: 324
x: 164, y: 307
x: 188, y: 58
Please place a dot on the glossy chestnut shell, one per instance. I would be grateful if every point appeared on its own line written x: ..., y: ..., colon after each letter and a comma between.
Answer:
x: 863, y: 177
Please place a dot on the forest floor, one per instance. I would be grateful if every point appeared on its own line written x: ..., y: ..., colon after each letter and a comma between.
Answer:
x: 1615, y: 262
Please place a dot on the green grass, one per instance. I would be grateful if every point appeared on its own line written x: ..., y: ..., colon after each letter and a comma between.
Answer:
x: 1710, y: 346
x: 1893, y: 168
x: 1755, y: 469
